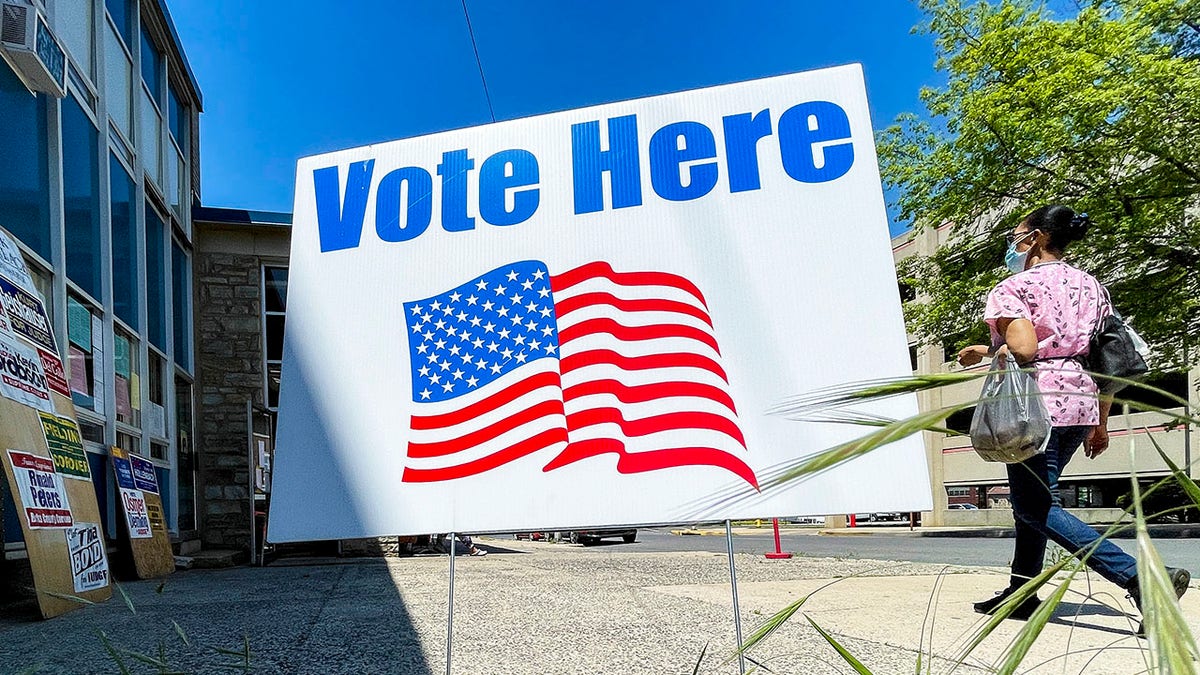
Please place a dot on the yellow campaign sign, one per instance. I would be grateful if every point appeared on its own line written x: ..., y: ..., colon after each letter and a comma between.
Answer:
x: 66, y: 446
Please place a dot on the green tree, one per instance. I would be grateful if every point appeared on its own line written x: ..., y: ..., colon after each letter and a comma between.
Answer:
x: 1099, y: 110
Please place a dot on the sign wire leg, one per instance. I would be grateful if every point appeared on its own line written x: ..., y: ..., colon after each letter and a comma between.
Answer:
x: 737, y: 613
x: 450, y: 611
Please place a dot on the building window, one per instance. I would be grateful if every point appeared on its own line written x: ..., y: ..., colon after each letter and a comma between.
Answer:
x: 151, y: 66
x: 44, y: 284
x: 124, y: 245
x: 907, y: 293
x: 155, y: 420
x: 181, y: 304
x: 121, y: 13
x: 81, y: 197
x: 150, y: 139
x: 184, y: 455
x: 91, y: 432
x: 177, y: 118
x: 85, y: 349
x: 25, y: 177
x: 156, y: 279
x: 127, y: 379
x: 958, y: 492
x: 274, y: 306
x: 129, y: 443
x: 177, y: 121
x: 118, y: 77
x: 912, y: 356
x: 74, y: 25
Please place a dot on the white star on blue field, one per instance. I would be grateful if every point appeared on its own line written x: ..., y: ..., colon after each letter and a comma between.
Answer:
x: 471, y: 335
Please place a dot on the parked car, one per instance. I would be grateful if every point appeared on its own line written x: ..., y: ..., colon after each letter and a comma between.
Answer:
x: 807, y: 520
x: 592, y: 537
x: 963, y: 507
x: 884, y: 515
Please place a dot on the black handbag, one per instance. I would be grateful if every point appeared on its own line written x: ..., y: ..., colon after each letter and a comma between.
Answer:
x: 1113, y: 352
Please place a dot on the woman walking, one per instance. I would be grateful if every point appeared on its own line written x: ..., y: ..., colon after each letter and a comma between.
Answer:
x: 1044, y: 315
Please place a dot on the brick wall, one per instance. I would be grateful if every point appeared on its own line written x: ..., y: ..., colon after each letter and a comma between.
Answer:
x: 229, y: 372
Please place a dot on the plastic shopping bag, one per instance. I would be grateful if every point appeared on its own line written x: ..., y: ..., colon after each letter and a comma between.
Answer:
x: 1011, y: 423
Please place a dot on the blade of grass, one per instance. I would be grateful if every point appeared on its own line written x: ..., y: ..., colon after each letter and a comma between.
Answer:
x: 1189, y: 486
x: 696, y: 670
x: 845, y: 654
x: 113, y: 654
x: 125, y: 596
x: 1032, y: 628
x: 1171, y: 641
x: 67, y: 596
x: 1027, y: 590
x: 181, y: 634
x: 858, y: 447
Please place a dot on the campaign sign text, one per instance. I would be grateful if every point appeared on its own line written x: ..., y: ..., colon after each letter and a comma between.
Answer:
x: 41, y: 491
x: 26, y: 315
x: 136, y: 516
x: 143, y: 474
x: 21, y: 376
x: 66, y: 446
x: 582, y: 319
x: 56, y: 375
x: 89, y: 562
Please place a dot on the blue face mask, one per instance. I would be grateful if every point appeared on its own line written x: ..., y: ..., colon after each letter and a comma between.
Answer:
x: 1012, y: 259
x: 1015, y: 261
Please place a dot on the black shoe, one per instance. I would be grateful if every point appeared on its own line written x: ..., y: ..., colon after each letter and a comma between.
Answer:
x: 1021, y: 613
x: 1180, y: 578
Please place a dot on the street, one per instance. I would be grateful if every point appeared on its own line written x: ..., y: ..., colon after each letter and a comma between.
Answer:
x: 976, y: 552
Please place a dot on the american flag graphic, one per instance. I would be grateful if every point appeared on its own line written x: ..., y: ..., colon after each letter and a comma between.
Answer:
x: 580, y: 364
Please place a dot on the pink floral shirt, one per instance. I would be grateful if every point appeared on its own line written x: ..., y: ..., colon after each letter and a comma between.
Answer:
x: 1065, y: 305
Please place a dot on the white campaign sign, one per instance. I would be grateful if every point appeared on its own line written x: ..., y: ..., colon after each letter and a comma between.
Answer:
x: 136, y: 515
x: 89, y: 562
x: 580, y: 319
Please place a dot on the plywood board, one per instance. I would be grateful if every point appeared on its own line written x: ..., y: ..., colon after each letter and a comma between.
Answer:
x: 142, y: 508
x: 48, y: 547
x: 52, y: 489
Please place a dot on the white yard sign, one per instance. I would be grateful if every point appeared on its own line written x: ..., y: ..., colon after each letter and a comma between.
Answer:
x: 580, y: 319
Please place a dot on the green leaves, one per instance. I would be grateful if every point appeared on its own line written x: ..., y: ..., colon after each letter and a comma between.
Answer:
x: 1098, y: 109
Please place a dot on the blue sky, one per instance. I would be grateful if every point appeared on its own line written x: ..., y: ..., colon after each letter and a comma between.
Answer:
x: 282, y: 80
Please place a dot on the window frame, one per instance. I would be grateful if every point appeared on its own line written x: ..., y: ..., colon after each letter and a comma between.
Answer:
x: 268, y: 362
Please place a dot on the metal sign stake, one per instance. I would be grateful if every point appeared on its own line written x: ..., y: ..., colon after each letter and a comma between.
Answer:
x: 737, y: 614
x: 450, y: 612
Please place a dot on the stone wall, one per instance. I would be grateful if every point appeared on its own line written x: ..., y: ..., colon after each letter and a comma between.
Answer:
x: 229, y: 355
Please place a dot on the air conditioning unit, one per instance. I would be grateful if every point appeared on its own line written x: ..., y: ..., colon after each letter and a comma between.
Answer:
x: 31, y: 48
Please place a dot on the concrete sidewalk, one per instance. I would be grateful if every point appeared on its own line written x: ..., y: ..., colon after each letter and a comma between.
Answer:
x: 532, y: 607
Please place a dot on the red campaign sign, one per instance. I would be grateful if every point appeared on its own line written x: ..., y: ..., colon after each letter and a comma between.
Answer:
x: 56, y: 376
x: 41, y: 491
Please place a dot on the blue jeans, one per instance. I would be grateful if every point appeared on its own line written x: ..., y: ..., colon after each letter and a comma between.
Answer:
x: 1039, y: 515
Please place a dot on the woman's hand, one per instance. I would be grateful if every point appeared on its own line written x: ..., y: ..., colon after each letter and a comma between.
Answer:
x: 969, y: 356
x: 1097, y: 441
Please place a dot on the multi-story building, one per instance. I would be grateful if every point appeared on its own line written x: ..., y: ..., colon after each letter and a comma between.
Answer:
x: 1092, y: 488
x: 97, y: 188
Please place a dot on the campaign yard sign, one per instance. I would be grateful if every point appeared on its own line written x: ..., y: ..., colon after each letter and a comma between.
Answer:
x: 89, y: 561
x: 582, y: 318
x: 41, y: 491
x: 133, y: 499
x: 22, y: 377
x: 65, y: 446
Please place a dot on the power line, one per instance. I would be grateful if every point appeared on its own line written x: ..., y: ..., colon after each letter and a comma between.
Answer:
x: 478, y: 63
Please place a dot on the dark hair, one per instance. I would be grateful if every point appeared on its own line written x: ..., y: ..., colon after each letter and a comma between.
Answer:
x: 1060, y: 222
